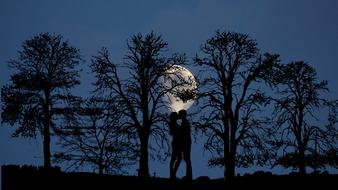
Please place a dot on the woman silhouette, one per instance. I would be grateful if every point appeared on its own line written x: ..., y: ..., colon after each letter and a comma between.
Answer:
x: 176, y: 155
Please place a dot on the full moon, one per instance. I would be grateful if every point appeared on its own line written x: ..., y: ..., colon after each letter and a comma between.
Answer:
x: 181, y: 86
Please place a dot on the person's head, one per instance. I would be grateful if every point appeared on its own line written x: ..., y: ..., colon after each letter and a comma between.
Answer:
x: 173, y: 117
x: 182, y: 114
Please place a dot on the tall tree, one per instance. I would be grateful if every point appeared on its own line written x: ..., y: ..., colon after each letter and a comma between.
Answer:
x: 39, y: 90
x: 97, y: 138
x: 139, y: 93
x: 299, y: 103
x: 232, y: 65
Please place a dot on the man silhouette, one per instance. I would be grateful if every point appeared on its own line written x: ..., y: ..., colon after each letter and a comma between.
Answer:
x: 176, y: 155
x: 185, y: 142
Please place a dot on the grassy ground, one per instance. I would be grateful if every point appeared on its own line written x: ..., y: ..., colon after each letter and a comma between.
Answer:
x: 15, y: 177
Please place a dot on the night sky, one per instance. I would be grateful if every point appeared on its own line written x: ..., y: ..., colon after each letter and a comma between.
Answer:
x: 296, y: 29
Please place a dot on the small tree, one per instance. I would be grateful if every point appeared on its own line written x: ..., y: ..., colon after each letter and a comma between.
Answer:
x: 297, y: 106
x: 39, y: 90
x: 232, y: 65
x: 97, y: 138
x: 140, y: 94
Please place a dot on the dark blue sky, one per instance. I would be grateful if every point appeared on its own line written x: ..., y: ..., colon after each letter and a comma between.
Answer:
x: 296, y: 29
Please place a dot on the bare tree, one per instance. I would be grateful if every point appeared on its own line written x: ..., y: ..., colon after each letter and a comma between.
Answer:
x: 97, y: 138
x: 231, y: 66
x: 299, y: 104
x: 141, y: 92
x: 39, y: 89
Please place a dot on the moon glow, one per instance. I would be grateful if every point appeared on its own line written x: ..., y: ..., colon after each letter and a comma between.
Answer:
x: 181, y: 85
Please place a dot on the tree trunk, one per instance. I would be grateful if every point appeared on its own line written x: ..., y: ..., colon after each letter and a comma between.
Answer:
x: 228, y: 166
x: 100, y: 169
x: 46, y: 145
x: 226, y: 150
x: 229, y: 172
x: 232, y: 165
x: 143, y: 165
x: 230, y: 153
x: 46, y: 133
x: 302, y: 161
x: 101, y: 162
x: 226, y: 163
x: 233, y: 150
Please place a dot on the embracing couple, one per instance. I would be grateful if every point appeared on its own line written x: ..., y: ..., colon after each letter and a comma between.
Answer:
x: 181, y: 143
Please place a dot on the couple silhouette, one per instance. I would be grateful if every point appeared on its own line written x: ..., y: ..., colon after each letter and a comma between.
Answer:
x: 181, y: 143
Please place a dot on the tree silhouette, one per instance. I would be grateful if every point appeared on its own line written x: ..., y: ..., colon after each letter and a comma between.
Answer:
x: 232, y: 65
x: 39, y: 90
x: 97, y: 138
x: 140, y: 93
x: 299, y: 97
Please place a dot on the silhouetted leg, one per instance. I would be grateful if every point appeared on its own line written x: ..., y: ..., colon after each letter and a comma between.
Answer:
x: 172, y: 162
x: 186, y: 155
x: 177, y: 163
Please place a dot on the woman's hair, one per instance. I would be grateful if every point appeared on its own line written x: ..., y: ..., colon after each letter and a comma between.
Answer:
x: 173, y: 117
x: 172, y: 122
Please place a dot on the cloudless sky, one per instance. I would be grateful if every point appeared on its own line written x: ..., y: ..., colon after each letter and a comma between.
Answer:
x: 296, y: 29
